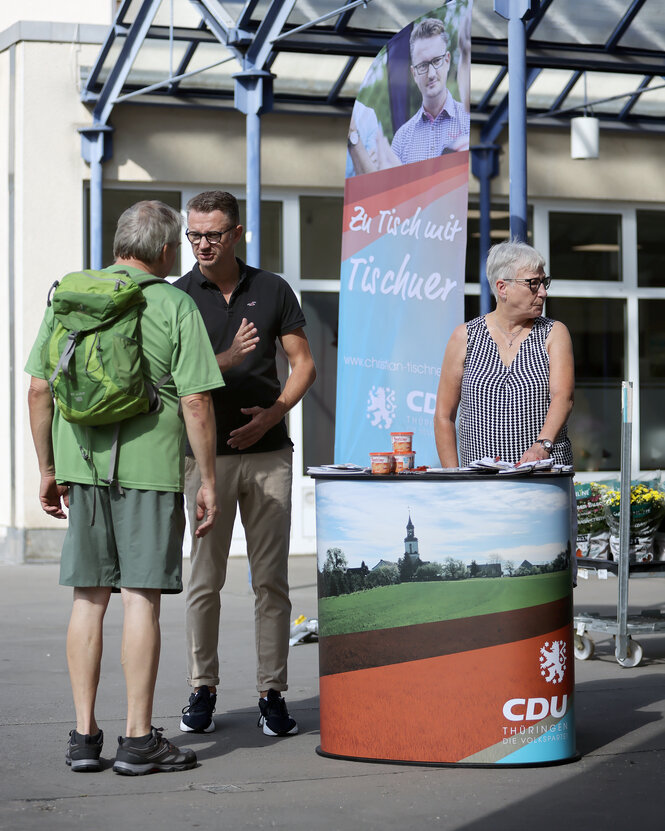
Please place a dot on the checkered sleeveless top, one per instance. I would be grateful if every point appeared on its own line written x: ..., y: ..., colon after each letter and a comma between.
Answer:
x: 502, y: 408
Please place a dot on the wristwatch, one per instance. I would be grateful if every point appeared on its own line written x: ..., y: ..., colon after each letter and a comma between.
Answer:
x: 547, y: 444
x: 353, y: 138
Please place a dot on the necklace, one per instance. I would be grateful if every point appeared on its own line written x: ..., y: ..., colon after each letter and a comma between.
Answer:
x: 510, y: 336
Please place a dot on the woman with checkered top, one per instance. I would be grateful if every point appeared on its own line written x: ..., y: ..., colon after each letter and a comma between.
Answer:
x: 508, y: 374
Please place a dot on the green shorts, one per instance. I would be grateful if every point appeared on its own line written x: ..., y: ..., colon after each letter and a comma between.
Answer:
x: 135, y: 540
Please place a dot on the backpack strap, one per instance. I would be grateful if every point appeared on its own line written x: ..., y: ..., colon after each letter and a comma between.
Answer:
x: 154, y: 397
x: 153, y: 388
x: 65, y: 358
x: 113, y: 459
x: 148, y: 280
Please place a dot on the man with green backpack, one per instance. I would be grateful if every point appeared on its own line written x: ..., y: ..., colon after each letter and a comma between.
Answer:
x: 121, y: 368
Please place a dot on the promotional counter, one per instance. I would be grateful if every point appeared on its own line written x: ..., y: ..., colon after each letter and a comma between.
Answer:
x: 445, y: 618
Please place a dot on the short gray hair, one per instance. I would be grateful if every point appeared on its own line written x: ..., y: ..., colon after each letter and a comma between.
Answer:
x: 506, y: 259
x: 144, y: 229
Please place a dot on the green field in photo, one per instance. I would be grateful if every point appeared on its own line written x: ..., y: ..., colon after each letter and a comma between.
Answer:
x: 407, y: 604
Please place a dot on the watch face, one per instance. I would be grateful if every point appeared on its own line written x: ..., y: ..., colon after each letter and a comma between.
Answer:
x: 547, y: 445
x: 353, y: 137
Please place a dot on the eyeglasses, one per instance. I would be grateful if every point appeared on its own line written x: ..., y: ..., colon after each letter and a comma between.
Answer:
x: 212, y: 237
x: 534, y: 283
x: 437, y: 63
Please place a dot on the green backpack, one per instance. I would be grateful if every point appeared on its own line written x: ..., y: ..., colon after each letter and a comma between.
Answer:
x: 93, y: 359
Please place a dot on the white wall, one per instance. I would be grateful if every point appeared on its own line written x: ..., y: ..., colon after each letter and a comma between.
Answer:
x: 49, y: 220
x: 57, y: 11
x: 5, y: 374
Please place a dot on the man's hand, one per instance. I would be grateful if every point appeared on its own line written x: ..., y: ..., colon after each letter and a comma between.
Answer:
x: 250, y: 433
x: 199, y: 415
x: 386, y: 156
x: 301, y: 377
x: 52, y: 496
x: 244, y: 342
x: 460, y: 143
x: 206, y: 510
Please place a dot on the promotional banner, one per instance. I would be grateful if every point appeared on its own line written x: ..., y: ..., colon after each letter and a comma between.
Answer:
x: 445, y: 616
x: 404, y: 235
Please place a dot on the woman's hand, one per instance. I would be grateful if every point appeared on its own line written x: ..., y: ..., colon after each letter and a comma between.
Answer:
x: 534, y: 454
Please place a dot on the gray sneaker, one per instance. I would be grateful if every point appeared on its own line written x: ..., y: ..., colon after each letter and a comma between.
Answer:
x: 83, y: 751
x: 155, y: 756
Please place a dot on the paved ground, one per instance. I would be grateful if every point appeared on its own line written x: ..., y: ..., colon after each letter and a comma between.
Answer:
x: 246, y: 780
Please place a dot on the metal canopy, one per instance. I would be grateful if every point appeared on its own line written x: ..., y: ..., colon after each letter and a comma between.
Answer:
x: 315, y: 54
x: 567, y: 58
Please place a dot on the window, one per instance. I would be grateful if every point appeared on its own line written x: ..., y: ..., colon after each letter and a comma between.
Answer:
x: 585, y: 246
x: 650, y: 270
x: 271, y: 235
x: 652, y: 384
x: 321, y: 313
x: 499, y: 232
x: 597, y: 330
x: 320, y: 237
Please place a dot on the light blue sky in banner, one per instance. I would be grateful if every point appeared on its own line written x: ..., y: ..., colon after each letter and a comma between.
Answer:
x: 467, y: 520
x: 405, y: 329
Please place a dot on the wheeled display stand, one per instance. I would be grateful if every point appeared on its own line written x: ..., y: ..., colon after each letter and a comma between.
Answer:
x: 646, y: 623
x: 628, y: 652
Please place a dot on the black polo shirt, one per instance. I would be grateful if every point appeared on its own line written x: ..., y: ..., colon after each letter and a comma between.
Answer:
x: 269, y: 303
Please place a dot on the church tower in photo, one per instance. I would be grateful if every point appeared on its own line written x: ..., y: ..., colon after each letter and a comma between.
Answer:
x: 411, y: 541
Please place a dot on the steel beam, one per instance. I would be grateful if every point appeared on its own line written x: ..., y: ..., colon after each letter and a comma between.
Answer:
x: 122, y: 67
x: 106, y: 48
x: 272, y: 24
x: 623, y: 25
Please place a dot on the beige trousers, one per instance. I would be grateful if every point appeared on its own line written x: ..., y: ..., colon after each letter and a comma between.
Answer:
x: 260, y: 485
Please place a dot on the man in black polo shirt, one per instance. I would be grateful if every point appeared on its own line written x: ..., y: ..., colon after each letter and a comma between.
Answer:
x: 245, y: 311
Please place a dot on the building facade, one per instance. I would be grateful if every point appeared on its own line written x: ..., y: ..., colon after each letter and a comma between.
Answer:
x: 597, y: 222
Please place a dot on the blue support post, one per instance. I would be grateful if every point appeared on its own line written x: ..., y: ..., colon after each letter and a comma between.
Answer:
x: 485, y: 166
x: 516, y: 12
x: 96, y: 148
x: 253, y: 96
x: 253, y: 236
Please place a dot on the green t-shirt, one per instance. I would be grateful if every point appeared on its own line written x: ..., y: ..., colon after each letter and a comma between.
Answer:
x: 151, y: 447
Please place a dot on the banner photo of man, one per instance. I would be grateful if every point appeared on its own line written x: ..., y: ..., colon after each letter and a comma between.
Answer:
x: 404, y: 234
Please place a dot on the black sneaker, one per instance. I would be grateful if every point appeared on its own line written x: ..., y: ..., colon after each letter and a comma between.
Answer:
x: 83, y: 751
x: 275, y: 718
x: 197, y: 715
x: 155, y: 756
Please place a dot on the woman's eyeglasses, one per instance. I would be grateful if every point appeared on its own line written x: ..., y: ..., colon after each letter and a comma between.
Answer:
x: 534, y: 283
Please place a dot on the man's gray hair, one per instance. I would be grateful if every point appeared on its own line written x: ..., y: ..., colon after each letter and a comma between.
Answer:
x: 507, y: 259
x: 428, y: 28
x: 144, y: 229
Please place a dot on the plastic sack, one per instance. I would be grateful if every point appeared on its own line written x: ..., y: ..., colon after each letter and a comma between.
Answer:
x: 303, y: 630
x: 647, y: 509
x: 593, y: 536
x: 595, y: 545
x: 590, y: 509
